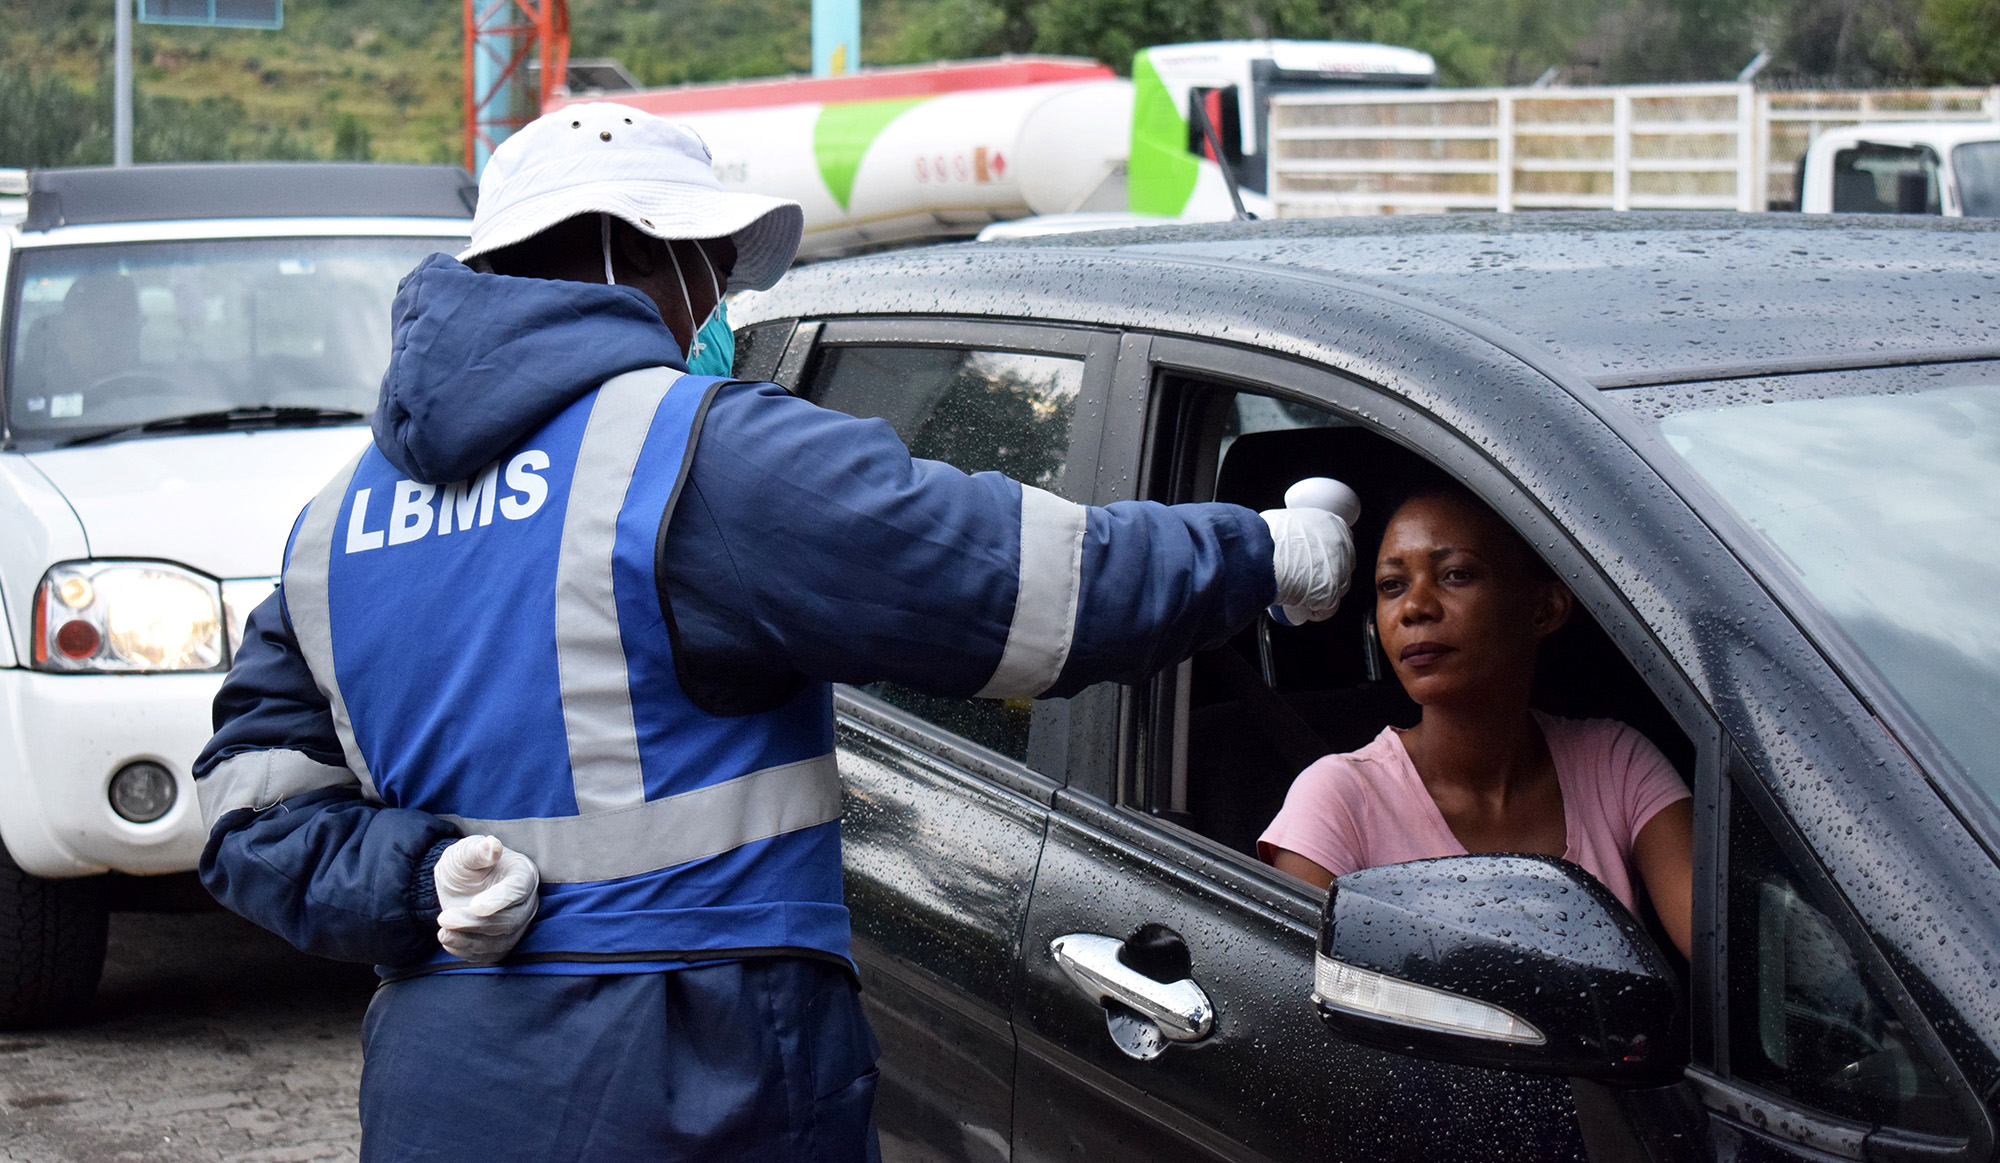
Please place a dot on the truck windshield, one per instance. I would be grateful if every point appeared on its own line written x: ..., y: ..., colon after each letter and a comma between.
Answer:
x: 1884, y: 508
x: 110, y: 336
x: 1977, y: 164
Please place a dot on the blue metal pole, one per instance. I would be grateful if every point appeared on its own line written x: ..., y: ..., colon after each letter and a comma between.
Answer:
x: 836, y: 32
x: 492, y: 48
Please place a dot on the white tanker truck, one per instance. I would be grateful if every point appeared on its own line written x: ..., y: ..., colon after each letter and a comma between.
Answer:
x: 901, y: 155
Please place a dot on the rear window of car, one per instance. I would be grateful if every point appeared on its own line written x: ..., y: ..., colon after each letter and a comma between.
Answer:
x: 1883, y: 507
x: 115, y: 335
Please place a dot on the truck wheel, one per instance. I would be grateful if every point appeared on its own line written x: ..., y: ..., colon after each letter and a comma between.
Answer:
x: 51, y: 946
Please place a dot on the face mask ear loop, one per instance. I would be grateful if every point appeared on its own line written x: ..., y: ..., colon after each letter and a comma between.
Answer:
x: 604, y: 238
x: 713, y: 282
x: 694, y: 333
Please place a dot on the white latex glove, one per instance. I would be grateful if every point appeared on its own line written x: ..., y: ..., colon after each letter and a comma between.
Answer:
x: 487, y: 892
x: 1314, y: 560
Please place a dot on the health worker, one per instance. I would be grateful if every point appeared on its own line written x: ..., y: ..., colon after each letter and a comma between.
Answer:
x: 539, y: 720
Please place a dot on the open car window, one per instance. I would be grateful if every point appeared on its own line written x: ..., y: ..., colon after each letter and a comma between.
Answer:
x: 1250, y: 715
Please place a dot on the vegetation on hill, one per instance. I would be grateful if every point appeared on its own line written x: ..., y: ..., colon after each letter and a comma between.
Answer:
x: 383, y: 78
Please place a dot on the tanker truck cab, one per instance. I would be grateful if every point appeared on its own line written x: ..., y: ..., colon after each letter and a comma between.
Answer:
x: 190, y: 352
x: 1951, y: 169
x: 1174, y: 171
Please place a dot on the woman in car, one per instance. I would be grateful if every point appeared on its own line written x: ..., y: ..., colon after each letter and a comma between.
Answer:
x: 1463, y: 606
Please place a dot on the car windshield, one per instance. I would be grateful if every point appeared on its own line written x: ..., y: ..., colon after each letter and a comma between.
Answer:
x: 1886, y: 509
x: 1977, y: 165
x: 110, y: 336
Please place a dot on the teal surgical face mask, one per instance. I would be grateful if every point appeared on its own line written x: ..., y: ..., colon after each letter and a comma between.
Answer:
x: 713, y: 352
x: 714, y: 345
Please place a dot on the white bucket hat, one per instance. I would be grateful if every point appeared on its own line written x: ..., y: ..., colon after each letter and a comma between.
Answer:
x: 605, y: 158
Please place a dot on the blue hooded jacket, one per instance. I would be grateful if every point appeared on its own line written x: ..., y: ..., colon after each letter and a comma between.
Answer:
x: 807, y: 545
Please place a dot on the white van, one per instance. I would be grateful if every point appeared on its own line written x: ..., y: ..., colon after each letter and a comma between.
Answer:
x: 1947, y: 168
x: 190, y: 352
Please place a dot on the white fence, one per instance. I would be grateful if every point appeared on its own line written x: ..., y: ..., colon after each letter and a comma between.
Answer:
x: 1638, y: 147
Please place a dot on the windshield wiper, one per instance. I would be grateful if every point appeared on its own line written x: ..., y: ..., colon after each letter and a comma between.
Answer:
x: 228, y: 420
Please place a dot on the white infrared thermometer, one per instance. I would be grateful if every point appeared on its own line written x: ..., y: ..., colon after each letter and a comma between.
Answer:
x: 1325, y: 493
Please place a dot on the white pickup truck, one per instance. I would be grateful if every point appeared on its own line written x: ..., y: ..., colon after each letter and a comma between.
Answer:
x: 189, y: 354
x: 1948, y: 168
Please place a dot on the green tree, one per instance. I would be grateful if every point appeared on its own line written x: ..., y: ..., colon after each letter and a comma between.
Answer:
x: 1677, y: 40
x: 43, y: 120
x: 1965, y: 40
x: 665, y: 42
x: 351, y: 139
x: 1464, y: 57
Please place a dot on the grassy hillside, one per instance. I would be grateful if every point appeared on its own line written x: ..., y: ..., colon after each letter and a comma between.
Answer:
x: 388, y: 75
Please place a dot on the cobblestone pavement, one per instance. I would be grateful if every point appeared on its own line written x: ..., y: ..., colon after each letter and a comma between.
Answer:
x: 209, y: 1040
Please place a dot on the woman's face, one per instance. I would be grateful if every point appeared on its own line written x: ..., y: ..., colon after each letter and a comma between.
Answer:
x: 1459, y: 612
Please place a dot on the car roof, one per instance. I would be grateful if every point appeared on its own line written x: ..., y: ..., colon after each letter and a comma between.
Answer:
x: 1613, y: 299
x: 216, y: 229
x: 151, y: 193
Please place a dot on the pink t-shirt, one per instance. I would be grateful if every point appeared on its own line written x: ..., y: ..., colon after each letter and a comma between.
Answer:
x: 1369, y: 807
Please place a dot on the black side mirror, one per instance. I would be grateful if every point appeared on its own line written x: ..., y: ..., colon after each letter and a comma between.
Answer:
x: 1517, y: 962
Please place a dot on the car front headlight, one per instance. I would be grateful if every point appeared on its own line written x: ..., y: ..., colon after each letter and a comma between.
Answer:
x: 127, y: 617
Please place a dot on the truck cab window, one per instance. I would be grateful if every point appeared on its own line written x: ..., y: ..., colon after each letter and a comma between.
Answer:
x: 1886, y: 179
x: 1805, y: 1021
x: 1977, y: 166
x: 979, y: 411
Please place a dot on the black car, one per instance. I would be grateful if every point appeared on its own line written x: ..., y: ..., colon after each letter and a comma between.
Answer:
x: 1765, y: 454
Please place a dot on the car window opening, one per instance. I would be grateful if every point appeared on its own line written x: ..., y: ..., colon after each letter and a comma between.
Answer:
x: 1253, y: 713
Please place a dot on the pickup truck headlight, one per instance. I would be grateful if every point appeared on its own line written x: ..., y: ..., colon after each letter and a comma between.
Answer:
x: 127, y: 617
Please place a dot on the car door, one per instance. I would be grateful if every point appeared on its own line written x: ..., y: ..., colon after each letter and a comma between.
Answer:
x: 1125, y: 876
x: 947, y: 799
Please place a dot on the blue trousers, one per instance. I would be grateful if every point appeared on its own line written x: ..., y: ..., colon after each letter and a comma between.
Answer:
x: 768, y: 1060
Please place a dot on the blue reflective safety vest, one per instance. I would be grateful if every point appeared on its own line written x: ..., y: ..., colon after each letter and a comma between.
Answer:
x: 495, y: 652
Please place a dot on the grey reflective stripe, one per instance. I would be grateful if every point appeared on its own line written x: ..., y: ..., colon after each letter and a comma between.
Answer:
x: 305, y: 587
x: 662, y: 833
x: 1044, y: 626
x: 590, y: 654
x: 259, y: 779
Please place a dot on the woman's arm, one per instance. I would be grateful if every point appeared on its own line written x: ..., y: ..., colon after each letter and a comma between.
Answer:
x: 1664, y: 853
x: 1291, y: 863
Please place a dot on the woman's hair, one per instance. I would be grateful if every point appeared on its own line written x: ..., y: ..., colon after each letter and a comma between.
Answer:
x: 1433, y: 485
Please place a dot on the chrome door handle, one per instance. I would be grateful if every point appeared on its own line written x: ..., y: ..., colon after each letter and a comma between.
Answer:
x: 1179, y: 1010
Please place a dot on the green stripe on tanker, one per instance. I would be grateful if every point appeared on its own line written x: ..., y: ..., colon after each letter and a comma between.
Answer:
x: 843, y: 134
x: 1161, y: 173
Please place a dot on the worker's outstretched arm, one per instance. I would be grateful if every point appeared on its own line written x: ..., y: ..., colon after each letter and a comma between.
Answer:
x: 810, y: 541
x: 292, y: 843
